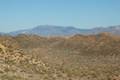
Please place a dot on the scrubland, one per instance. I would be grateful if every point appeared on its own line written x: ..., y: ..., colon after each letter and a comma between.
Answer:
x: 77, y: 57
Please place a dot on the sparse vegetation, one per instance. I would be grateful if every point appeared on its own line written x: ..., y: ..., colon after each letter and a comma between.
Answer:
x: 31, y: 57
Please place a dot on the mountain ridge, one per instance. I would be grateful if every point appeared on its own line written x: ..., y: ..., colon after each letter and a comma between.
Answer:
x: 52, y: 30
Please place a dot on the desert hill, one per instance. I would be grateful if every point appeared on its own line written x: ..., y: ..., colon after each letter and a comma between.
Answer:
x: 77, y: 57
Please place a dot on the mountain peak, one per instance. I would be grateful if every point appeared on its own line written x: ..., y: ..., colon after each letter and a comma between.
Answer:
x: 53, y: 30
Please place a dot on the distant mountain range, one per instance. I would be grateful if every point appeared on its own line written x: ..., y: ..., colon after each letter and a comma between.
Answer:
x: 50, y: 30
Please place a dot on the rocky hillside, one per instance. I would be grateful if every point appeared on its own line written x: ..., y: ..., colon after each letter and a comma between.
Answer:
x: 15, y: 64
x: 78, y: 57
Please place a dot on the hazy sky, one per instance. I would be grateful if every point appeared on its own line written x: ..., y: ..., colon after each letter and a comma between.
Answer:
x: 22, y: 14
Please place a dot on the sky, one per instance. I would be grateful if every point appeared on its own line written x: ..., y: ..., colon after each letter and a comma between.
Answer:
x: 85, y: 14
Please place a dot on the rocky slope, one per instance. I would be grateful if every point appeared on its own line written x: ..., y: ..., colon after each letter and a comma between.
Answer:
x: 78, y: 57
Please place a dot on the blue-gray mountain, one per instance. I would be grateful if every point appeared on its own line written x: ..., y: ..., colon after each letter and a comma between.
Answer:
x: 1, y: 33
x: 49, y: 30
